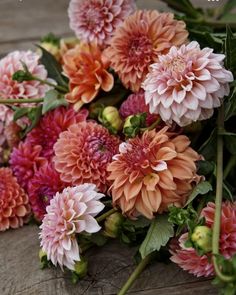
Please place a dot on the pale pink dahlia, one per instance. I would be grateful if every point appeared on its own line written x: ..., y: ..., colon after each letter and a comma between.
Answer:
x: 51, y: 125
x: 188, y: 259
x: 135, y: 104
x: 139, y: 41
x: 25, y: 160
x: 96, y: 20
x: 152, y: 172
x: 27, y: 89
x: 83, y: 152
x: 186, y: 84
x: 42, y: 187
x: 69, y: 213
x: 14, y: 203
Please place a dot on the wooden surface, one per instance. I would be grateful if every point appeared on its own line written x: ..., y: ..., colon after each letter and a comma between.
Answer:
x: 21, y: 24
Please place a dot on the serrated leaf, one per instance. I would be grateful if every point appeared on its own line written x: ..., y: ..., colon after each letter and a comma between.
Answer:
x: 158, y: 235
x: 53, y: 68
x: 20, y: 112
x: 53, y: 100
x: 201, y: 189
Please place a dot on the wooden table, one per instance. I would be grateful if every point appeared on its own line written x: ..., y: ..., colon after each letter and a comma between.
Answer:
x: 22, y: 23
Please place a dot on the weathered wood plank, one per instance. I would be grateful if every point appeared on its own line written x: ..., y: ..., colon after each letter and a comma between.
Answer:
x: 109, y: 268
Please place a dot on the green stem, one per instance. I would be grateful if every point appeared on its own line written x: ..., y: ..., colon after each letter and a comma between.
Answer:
x: 58, y: 87
x: 105, y: 215
x: 141, y: 266
x: 151, y: 126
x: 218, y: 199
x: 23, y: 100
x: 229, y: 166
x: 216, y: 24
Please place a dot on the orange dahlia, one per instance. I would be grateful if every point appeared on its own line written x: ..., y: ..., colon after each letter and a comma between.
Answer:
x: 152, y: 172
x: 14, y: 203
x: 138, y: 42
x: 87, y: 73
x: 83, y: 152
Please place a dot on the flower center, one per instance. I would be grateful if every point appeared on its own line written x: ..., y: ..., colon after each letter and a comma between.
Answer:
x: 140, y: 48
x: 177, y: 64
x: 94, y: 19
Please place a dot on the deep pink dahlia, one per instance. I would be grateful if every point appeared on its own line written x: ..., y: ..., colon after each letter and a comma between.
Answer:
x: 186, y: 84
x: 27, y: 89
x: 83, y: 152
x: 42, y: 187
x: 96, y: 20
x: 25, y: 161
x: 188, y: 259
x: 51, y: 125
x: 135, y: 104
x: 69, y: 213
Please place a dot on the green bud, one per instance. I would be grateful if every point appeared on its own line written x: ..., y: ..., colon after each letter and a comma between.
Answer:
x: 21, y: 76
x: 113, y: 224
x: 111, y: 118
x: 52, y: 48
x: 202, y: 238
x: 81, y: 268
x: 43, y: 259
x: 95, y: 109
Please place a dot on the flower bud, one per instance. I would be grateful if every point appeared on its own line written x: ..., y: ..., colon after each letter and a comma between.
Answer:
x: 113, y: 224
x: 81, y: 268
x: 43, y: 259
x: 52, y: 48
x: 111, y: 118
x: 202, y: 238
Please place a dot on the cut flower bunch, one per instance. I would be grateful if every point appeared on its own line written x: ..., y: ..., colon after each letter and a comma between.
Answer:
x: 126, y: 131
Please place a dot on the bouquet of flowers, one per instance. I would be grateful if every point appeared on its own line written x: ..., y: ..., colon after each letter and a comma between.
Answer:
x: 120, y: 133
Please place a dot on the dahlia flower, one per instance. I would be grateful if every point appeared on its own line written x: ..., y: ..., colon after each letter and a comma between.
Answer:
x: 14, y: 208
x: 139, y: 41
x: 25, y: 160
x: 42, y: 187
x: 186, y: 84
x: 69, y: 213
x: 87, y: 73
x: 51, y: 125
x: 83, y: 152
x: 27, y: 89
x: 96, y: 20
x: 188, y: 259
x: 135, y: 104
x: 152, y: 172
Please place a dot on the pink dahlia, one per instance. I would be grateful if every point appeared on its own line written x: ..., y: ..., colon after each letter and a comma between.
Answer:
x: 27, y: 89
x: 14, y: 203
x: 152, y: 172
x: 51, y: 125
x: 186, y: 84
x: 83, y: 152
x: 96, y: 20
x: 25, y: 160
x: 139, y: 41
x: 135, y: 104
x: 69, y: 213
x: 42, y: 187
x: 188, y: 259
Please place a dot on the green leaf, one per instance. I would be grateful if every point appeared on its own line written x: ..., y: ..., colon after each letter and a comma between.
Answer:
x: 230, y: 142
x: 230, y: 50
x: 208, y: 149
x: 229, y: 5
x: 159, y: 233
x: 184, y: 6
x: 201, y: 189
x: 34, y: 115
x: 141, y: 222
x: 207, y: 39
x: 230, y: 106
x: 20, y: 112
x: 53, y: 67
x: 53, y: 100
x: 228, y: 17
x: 205, y: 167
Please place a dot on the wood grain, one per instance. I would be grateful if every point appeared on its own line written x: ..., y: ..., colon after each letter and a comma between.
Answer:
x: 109, y: 267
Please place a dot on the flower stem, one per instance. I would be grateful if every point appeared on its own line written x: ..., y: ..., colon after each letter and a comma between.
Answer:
x: 23, y: 100
x: 105, y: 215
x: 218, y: 199
x: 151, y: 126
x: 141, y: 266
x: 58, y: 87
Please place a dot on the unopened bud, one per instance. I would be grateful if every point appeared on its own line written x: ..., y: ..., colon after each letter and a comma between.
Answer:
x: 202, y: 238
x: 52, y: 48
x: 81, y: 268
x: 43, y: 258
x: 111, y: 118
x: 113, y: 224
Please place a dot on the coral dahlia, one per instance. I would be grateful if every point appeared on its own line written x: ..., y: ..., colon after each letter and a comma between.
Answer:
x: 152, y: 172
x: 139, y: 41
x: 27, y: 89
x: 14, y: 203
x: 69, y: 213
x: 42, y: 187
x: 51, y: 125
x: 87, y: 73
x: 186, y: 84
x: 83, y: 152
x: 188, y: 259
x: 96, y: 20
